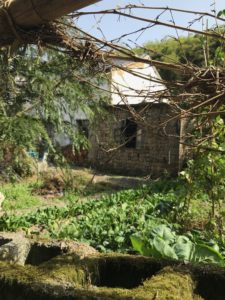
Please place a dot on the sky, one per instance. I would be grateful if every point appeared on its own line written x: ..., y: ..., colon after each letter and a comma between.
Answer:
x: 111, y: 27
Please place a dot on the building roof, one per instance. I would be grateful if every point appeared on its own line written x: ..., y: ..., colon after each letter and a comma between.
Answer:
x: 136, y: 83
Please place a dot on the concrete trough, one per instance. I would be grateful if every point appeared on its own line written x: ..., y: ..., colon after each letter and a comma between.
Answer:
x: 51, y: 271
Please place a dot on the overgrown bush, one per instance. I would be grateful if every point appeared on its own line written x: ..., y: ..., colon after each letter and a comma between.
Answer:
x: 20, y: 165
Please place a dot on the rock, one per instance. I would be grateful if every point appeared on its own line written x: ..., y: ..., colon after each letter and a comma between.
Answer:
x: 80, y: 249
x: 2, y: 198
x: 15, y: 248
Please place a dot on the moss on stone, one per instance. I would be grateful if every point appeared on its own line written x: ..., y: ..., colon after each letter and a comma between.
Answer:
x: 76, y: 274
x: 168, y: 285
x: 65, y: 270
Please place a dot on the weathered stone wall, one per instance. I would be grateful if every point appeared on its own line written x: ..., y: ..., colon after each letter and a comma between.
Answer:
x: 156, y: 151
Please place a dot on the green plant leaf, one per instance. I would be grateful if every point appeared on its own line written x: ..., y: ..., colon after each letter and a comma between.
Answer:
x: 205, y: 253
x: 164, y: 232
x: 184, y: 249
x: 221, y: 13
x: 169, y: 252
x: 163, y: 248
x: 137, y: 243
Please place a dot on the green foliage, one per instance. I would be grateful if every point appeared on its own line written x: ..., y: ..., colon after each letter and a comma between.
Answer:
x: 15, y: 164
x: 162, y: 242
x: 106, y: 223
x: 113, y: 222
x: 18, y: 196
x: 40, y: 94
x: 186, y: 50
x: 221, y: 13
x: 206, y: 172
x: 21, y: 132
x: 145, y: 215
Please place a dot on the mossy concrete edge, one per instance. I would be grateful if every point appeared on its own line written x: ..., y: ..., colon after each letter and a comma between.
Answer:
x: 70, y: 277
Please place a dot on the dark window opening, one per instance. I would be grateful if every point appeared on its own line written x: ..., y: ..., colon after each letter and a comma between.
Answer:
x: 83, y: 127
x: 129, y: 132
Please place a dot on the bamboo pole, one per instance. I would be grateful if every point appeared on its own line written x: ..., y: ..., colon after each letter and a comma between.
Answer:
x: 31, y: 13
x: 27, y: 14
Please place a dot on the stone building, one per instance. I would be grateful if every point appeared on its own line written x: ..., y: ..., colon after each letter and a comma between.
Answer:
x: 129, y: 139
x: 121, y: 145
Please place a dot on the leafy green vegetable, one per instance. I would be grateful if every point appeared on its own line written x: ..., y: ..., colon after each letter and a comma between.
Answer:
x: 106, y: 223
x: 164, y: 243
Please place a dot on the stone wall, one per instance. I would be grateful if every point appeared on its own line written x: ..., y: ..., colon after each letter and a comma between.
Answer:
x: 156, y: 151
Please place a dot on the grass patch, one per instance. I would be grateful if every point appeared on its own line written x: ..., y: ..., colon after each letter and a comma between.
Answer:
x: 19, y: 196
